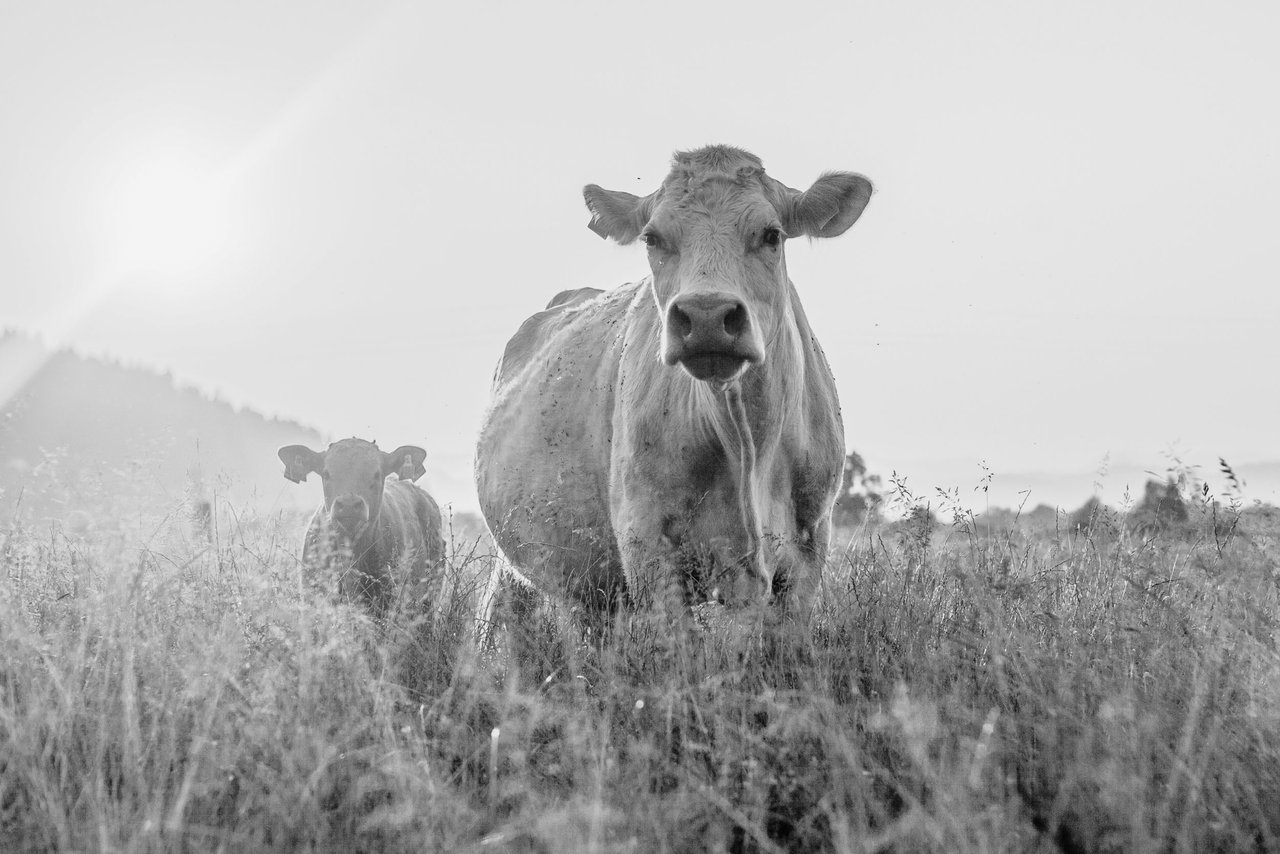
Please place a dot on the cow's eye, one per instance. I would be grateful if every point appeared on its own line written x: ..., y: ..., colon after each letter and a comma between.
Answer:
x: 650, y: 239
x: 771, y: 237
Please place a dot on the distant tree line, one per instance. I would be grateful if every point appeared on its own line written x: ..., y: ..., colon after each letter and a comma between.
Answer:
x: 1164, y: 507
x: 86, y: 435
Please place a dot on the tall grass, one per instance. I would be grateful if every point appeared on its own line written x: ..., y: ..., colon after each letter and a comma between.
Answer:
x: 954, y: 690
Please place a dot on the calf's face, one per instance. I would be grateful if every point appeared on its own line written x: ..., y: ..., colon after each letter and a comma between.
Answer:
x: 353, y: 472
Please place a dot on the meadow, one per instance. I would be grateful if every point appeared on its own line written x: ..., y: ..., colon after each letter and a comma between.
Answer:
x: 957, y: 688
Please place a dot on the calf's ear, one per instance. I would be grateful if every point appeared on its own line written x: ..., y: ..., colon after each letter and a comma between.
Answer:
x: 827, y: 209
x: 405, y: 461
x: 617, y: 214
x: 299, y: 461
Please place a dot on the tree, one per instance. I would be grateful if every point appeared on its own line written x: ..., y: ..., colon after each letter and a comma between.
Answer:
x: 859, y: 499
x: 1161, y: 508
x: 1092, y: 516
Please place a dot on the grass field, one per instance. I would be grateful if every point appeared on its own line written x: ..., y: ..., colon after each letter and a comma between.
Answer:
x: 955, y: 690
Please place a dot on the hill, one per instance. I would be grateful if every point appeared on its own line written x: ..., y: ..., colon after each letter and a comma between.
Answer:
x: 81, y: 433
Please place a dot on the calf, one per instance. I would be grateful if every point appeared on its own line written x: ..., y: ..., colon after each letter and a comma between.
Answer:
x: 383, y: 535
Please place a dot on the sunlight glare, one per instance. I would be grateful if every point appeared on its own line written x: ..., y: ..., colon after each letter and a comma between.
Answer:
x: 170, y: 220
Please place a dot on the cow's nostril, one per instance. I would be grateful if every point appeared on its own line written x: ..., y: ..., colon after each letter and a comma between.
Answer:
x: 735, y: 322
x: 681, y: 324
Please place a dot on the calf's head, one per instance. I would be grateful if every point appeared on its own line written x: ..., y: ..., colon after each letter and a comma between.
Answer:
x: 715, y: 233
x: 353, y: 472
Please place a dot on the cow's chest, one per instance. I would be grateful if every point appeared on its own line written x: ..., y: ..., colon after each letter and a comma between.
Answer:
x: 697, y: 486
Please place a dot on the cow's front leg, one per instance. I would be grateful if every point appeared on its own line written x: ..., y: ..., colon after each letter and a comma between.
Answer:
x: 683, y: 552
x: 651, y: 563
x: 796, y: 561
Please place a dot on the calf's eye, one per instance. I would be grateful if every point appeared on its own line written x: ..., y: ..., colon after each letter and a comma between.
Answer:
x: 771, y: 237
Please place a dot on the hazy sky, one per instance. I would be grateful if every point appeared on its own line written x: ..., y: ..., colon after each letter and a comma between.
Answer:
x: 340, y: 212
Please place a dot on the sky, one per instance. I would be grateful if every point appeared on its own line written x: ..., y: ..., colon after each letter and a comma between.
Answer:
x: 339, y: 213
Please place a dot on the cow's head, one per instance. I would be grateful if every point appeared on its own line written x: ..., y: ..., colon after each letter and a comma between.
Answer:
x: 715, y: 232
x: 353, y: 472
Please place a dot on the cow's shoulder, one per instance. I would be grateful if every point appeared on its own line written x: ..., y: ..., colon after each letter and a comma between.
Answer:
x: 572, y: 297
x: 414, y: 504
x: 400, y: 520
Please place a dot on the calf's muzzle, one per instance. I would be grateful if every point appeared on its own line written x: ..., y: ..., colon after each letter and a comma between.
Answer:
x: 350, y: 512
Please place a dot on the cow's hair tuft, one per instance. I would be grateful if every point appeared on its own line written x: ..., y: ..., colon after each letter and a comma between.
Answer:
x: 721, y: 158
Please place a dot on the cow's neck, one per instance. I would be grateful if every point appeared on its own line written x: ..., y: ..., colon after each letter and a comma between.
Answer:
x: 745, y: 464
x: 748, y: 419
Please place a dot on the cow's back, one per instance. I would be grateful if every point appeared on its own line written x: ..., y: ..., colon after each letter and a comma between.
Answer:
x: 542, y: 461
x: 411, y: 525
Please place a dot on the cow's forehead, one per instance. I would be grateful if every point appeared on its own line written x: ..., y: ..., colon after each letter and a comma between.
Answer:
x: 718, y: 180
x: 713, y: 190
x: 353, y: 455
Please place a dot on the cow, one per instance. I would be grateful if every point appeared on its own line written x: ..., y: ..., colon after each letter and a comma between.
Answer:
x: 676, y: 440
x: 382, y: 534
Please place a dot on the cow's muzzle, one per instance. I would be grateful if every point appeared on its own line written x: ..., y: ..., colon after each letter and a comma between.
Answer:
x: 711, y: 334
x: 350, y: 513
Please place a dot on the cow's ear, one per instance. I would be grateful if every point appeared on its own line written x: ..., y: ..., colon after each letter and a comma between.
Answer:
x: 299, y: 461
x: 617, y: 214
x: 405, y: 461
x: 828, y: 208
